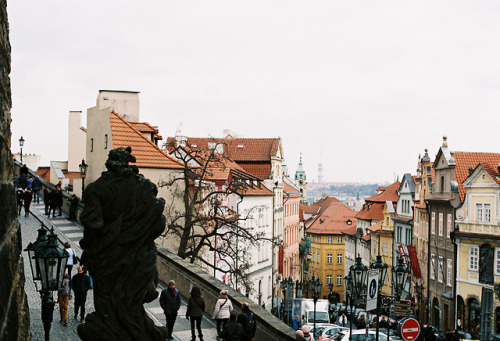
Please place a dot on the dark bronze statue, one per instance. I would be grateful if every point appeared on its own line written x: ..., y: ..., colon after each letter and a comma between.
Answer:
x: 486, y: 258
x: 121, y: 219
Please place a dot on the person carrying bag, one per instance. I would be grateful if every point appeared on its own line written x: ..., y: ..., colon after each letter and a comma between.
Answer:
x: 222, y: 311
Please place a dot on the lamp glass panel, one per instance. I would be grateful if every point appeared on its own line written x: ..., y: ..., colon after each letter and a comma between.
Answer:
x: 52, y: 275
x: 43, y: 272
x: 34, y: 266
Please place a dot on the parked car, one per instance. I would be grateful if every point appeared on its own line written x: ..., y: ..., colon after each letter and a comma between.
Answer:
x: 329, y: 332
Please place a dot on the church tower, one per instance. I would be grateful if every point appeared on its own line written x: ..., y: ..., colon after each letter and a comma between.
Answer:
x: 300, y: 181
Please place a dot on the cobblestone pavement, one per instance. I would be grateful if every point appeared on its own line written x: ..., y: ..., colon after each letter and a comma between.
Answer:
x: 72, y: 232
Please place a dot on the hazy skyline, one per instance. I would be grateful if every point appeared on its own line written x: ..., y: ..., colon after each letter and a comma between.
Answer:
x: 370, y: 84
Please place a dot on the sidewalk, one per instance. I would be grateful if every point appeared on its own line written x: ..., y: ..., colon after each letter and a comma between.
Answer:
x: 73, y: 232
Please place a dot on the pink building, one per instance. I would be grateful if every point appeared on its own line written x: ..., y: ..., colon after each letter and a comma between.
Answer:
x: 292, y: 231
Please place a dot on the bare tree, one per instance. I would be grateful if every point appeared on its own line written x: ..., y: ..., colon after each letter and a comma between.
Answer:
x: 208, y: 227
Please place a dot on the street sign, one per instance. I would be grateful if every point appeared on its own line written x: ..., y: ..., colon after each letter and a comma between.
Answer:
x: 401, y: 308
x: 372, y: 292
x: 410, y: 329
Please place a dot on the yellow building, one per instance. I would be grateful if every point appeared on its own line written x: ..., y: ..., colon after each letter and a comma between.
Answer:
x: 328, y: 247
x: 477, y: 238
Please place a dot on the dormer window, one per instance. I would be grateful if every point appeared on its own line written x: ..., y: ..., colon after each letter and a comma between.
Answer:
x: 241, y: 146
x: 349, y: 222
x: 194, y: 145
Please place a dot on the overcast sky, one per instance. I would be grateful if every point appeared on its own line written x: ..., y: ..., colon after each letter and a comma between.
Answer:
x: 371, y: 84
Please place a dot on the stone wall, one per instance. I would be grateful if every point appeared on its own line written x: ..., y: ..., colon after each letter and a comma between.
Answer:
x: 14, y: 313
x: 187, y: 275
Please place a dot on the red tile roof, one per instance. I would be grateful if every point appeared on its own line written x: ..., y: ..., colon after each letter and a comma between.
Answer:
x: 325, y: 202
x: 262, y: 171
x: 466, y: 160
x: 375, y: 227
x: 371, y: 211
x: 292, y: 191
x: 333, y: 220
x: 389, y: 194
x: 238, y: 149
x: 147, y: 154
x: 366, y: 237
x: 310, y: 209
x: 44, y: 172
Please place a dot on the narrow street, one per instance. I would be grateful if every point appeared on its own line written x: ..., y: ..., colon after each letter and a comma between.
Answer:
x: 72, y: 232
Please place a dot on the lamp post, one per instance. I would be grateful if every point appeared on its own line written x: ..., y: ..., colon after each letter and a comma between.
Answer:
x: 83, y: 173
x: 382, y: 272
x: 21, y: 144
x: 399, y: 277
x: 315, y: 286
x: 284, y: 287
x: 358, y: 273
x: 291, y: 285
x: 298, y: 289
x: 48, y: 262
x: 419, y: 289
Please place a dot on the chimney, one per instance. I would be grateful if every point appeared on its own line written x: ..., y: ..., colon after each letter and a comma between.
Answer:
x: 445, y: 141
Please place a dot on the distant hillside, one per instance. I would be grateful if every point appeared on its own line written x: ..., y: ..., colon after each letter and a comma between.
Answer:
x: 343, y: 189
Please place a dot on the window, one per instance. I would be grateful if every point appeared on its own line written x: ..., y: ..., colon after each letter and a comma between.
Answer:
x: 339, y: 280
x: 473, y: 257
x: 442, y: 183
x: 105, y: 141
x: 339, y: 258
x: 398, y: 234
x: 339, y: 240
x: 440, y: 270
x: 318, y: 258
x: 384, y: 248
x: 428, y: 169
x: 329, y: 240
x: 91, y: 144
x: 329, y: 258
x: 483, y: 212
x: 440, y: 227
x: 328, y: 279
x: 408, y: 240
x: 433, y: 266
x: 448, y: 272
x: 497, y: 262
x: 433, y: 223
x: 448, y: 224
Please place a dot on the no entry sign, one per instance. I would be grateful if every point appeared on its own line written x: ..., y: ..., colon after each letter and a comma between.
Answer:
x: 410, y: 329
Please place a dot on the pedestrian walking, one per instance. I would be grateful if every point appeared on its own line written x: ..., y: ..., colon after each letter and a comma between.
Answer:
x: 72, y: 259
x: 299, y: 335
x: 27, y: 196
x: 80, y: 284
x: 36, y: 186
x: 222, y: 311
x: 307, y: 333
x: 20, y: 199
x: 343, y: 320
x: 170, y: 302
x: 59, y: 200
x: 46, y: 200
x: 64, y: 295
x: 194, y: 312
x: 247, y: 320
x: 52, y: 202
x: 295, y: 322
x: 233, y: 331
x: 73, y: 207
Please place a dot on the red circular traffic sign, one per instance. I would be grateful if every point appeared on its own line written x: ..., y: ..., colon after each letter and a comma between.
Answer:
x: 410, y: 329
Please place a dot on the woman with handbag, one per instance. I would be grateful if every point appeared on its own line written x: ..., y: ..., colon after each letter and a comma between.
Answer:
x: 195, y: 310
x: 72, y: 259
x: 222, y: 311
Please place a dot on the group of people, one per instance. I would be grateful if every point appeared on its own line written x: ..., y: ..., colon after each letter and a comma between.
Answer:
x: 79, y: 285
x: 27, y: 190
x: 230, y: 325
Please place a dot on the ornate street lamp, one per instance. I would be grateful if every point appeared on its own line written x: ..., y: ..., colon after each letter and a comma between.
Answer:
x: 399, y: 277
x: 284, y: 287
x: 291, y: 286
x: 21, y: 144
x: 298, y: 289
x: 358, y: 272
x: 315, y: 286
x: 382, y: 273
x: 48, y: 262
x: 83, y: 172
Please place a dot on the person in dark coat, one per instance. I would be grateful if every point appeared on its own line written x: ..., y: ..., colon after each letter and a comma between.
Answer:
x: 80, y: 285
x: 195, y: 310
x: 73, y: 207
x: 36, y: 186
x: 20, y: 199
x: 53, y: 202
x: 46, y: 200
x: 232, y: 331
x: 170, y: 302
x: 59, y: 199
x: 247, y: 320
x: 27, y: 196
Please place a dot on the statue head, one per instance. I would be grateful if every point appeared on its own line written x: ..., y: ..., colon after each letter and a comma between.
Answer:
x: 118, y: 160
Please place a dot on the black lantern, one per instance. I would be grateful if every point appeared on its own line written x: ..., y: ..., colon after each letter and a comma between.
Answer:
x: 21, y: 144
x: 83, y: 172
x: 358, y: 272
x: 399, y: 277
x: 382, y: 268
x: 32, y: 248
x: 51, y: 262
